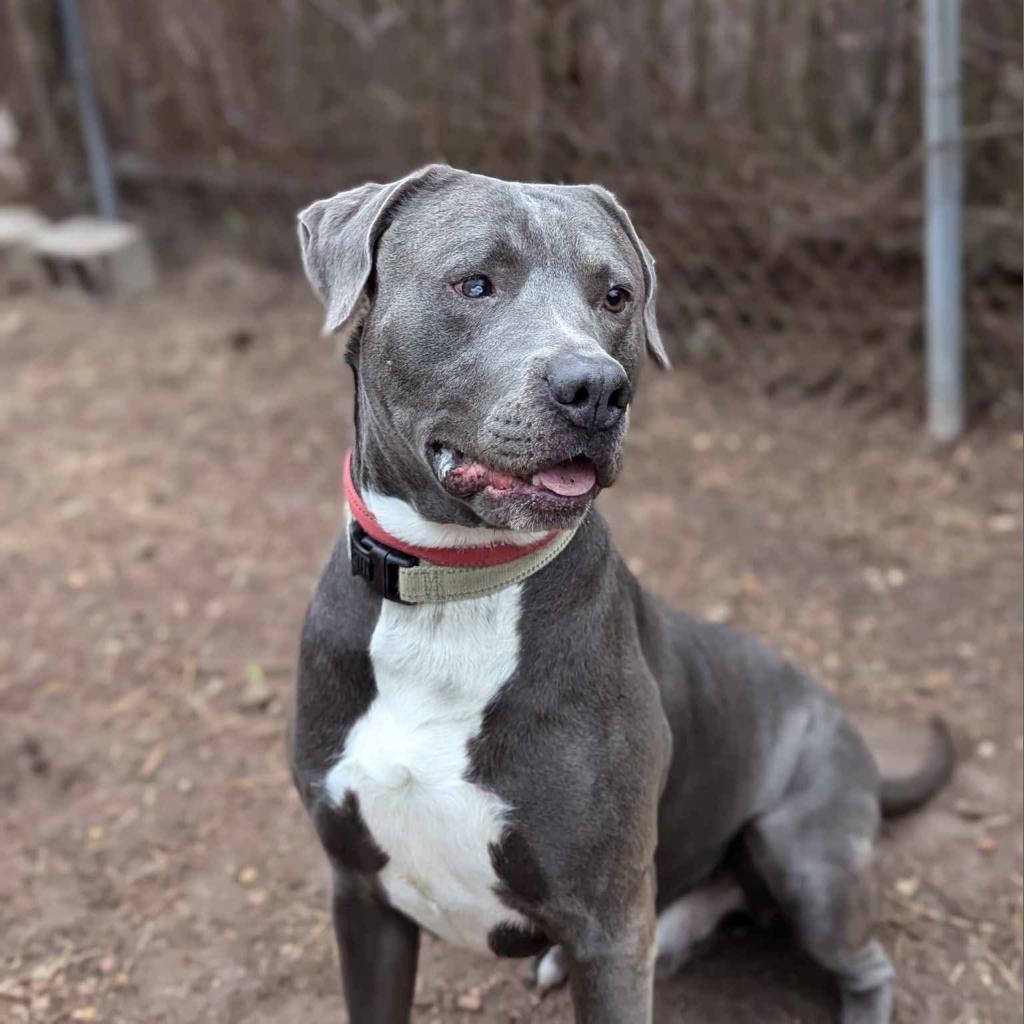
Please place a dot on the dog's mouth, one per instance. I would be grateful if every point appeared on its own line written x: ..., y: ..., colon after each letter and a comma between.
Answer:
x: 561, y: 486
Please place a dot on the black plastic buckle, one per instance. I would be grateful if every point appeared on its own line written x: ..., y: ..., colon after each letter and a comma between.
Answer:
x: 377, y: 563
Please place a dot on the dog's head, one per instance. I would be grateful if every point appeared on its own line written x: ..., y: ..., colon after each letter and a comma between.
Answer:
x: 495, y: 330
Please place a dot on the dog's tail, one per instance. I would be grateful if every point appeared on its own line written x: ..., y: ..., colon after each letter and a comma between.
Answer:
x: 906, y: 793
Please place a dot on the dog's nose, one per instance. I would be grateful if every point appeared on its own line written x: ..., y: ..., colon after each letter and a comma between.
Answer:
x: 590, y: 391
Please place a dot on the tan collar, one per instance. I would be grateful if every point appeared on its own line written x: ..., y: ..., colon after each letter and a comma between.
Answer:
x: 411, y: 580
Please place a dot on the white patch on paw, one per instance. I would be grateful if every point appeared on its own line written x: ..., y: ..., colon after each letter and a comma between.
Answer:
x: 552, y: 970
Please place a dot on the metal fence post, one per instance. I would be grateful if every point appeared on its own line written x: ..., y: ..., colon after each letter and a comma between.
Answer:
x: 88, y: 109
x: 943, y: 218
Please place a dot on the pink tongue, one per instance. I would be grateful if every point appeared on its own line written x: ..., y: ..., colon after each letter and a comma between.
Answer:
x: 569, y: 479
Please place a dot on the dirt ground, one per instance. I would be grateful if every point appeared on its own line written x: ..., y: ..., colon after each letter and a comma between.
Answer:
x: 171, y: 479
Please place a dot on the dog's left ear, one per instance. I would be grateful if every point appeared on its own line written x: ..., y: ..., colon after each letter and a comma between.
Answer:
x: 339, y: 238
x: 611, y: 205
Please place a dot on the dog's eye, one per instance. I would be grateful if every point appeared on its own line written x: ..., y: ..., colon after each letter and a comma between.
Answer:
x: 616, y: 300
x: 475, y: 287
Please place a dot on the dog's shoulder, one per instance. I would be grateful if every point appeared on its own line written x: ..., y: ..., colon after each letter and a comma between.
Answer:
x: 342, y: 612
x: 334, y: 683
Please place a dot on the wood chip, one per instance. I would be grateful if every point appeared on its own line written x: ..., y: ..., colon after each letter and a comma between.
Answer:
x: 470, y: 1001
x: 152, y: 763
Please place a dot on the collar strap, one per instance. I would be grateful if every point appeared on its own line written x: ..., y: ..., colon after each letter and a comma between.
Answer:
x: 411, y: 574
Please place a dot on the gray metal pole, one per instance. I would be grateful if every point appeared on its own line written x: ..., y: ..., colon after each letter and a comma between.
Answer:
x: 88, y: 110
x: 943, y: 218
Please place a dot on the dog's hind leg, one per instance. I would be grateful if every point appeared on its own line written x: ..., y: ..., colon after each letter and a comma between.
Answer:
x: 681, y: 927
x: 813, y: 853
x: 684, y: 924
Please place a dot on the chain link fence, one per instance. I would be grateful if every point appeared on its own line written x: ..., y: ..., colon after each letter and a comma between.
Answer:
x: 770, y: 150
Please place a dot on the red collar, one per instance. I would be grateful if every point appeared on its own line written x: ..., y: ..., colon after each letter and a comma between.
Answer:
x: 483, y: 557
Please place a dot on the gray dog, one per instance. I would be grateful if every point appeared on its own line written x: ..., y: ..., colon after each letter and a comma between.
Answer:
x: 499, y: 736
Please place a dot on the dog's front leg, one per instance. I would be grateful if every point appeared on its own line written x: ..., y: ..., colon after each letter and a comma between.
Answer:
x: 615, y: 987
x: 612, y: 977
x: 378, y: 948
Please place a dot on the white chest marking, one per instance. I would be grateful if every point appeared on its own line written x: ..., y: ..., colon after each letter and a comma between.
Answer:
x: 437, y: 668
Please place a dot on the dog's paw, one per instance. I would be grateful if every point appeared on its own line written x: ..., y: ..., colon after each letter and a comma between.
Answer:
x: 550, y: 970
x: 671, y: 961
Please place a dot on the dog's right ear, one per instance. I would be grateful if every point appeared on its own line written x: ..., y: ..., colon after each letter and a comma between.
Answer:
x: 339, y: 238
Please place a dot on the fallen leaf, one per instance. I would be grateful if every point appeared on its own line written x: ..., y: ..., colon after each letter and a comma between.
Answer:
x: 895, y: 577
x: 721, y: 611
x: 907, y: 886
x: 1002, y: 524
x: 470, y: 1001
